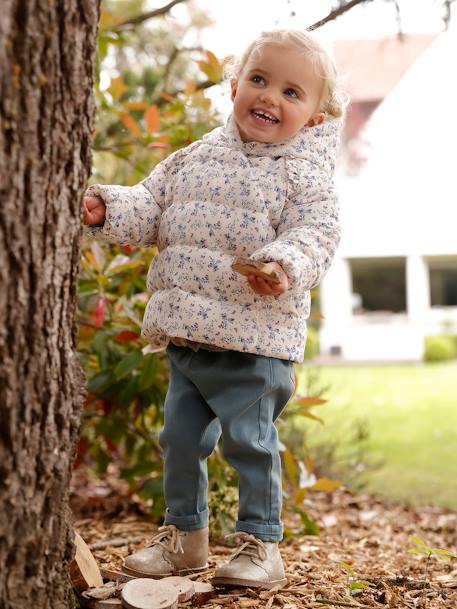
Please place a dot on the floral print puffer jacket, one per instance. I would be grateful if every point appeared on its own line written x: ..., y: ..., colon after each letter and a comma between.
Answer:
x: 218, y: 199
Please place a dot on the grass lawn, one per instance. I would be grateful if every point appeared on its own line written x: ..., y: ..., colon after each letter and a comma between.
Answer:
x: 411, y: 415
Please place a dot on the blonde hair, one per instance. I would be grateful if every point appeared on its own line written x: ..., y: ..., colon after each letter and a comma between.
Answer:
x: 333, y: 99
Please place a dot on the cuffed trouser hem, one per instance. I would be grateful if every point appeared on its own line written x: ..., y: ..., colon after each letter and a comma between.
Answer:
x: 188, y: 523
x: 265, y: 532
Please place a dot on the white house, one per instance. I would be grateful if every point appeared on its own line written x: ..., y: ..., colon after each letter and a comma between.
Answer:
x: 394, y: 279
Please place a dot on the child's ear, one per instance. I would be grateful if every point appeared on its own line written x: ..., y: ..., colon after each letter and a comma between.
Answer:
x: 234, y: 86
x: 317, y: 119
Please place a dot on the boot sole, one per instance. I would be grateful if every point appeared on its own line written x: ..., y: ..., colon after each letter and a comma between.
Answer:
x: 180, y: 572
x: 248, y: 583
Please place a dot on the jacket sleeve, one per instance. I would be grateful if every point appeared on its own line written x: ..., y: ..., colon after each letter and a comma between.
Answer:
x: 307, y: 235
x: 133, y: 213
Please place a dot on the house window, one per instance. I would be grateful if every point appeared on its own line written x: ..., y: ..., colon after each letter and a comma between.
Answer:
x: 378, y: 284
x: 443, y: 282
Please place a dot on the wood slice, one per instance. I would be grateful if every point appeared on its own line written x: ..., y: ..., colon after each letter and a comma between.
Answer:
x: 145, y: 593
x: 116, y: 576
x: 246, y: 267
x: 203, y: 593
x: 108, y: 590
x: 109, y: 603
x: 184, y: 587
x: 84, y: 571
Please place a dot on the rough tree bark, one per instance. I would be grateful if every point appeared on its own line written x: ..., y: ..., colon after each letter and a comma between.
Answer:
x: 47, y: 54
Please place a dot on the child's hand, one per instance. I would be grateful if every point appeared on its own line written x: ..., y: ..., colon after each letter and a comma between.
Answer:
x: 269, y: 288
x: 94, y: 210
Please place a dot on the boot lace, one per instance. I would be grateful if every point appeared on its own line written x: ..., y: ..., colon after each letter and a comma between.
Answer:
x: 249, y: 546
x: 167, y: 537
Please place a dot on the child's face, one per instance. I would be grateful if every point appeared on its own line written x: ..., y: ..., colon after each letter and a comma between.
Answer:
x: 276, y: 94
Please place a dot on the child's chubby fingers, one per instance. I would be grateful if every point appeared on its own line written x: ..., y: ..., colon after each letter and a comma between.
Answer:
x: 264, y: 287
x: 91, y: 203
x: 259, y: 285
x: 93, y: 210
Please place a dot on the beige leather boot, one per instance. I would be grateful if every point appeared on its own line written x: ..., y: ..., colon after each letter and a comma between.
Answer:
x: 255, y: 563
x: 170, y: 552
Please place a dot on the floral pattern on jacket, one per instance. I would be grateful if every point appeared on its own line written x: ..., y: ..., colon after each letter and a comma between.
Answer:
x: 218, y: 199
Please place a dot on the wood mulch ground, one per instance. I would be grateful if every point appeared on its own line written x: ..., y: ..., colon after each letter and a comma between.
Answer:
x: 371, y: 537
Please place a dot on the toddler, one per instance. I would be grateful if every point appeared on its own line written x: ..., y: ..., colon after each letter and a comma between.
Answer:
x: 259, y: 188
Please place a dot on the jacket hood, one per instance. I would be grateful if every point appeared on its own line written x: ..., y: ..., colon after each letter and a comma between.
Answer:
x: 316, y: 144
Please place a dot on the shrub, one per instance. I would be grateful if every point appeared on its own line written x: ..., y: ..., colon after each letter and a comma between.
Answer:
x: 440, y: 348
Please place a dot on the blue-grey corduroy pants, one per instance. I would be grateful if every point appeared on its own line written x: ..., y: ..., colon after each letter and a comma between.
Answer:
x: 239, y: 395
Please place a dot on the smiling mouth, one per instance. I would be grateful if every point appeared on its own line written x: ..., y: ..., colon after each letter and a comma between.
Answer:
x: 265, y: 116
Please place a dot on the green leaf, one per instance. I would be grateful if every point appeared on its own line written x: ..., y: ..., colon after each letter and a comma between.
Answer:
x: 423, y: 552
x: 103, y: 460
x: 152, y: 488
x: 360, y: 585
x: 444, y: 554
x: 129, y: 392
x: 417, y: 540
x: 140, y: 469
x: 348, y: 568
x: 290, y: 467
x: 100, y: 382
x: 88, y: 286
x: 148, y: 373
x: 128, y: 363
x: 132, y: 264
x: 309, y: 526
x: 111, y: 428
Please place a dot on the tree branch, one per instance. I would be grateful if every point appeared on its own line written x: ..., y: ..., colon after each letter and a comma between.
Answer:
x: 173, y: 58
x: 149, y: 15
x: 200, y: 86
x: 115, y: 543
x: 447, y: 12
x: 343, y: 8
x: 398, y: 17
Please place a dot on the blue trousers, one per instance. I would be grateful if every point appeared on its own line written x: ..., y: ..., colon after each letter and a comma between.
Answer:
x: 239, y: 395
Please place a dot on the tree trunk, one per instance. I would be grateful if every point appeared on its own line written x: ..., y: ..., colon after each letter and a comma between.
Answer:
x: 47, y: 52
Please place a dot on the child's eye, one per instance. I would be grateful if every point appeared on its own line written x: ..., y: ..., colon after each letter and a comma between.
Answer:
x: 291, y: 93
x: 257, y: 79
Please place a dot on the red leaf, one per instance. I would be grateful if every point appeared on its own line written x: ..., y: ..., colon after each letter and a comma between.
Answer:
x: 131, y: 124
x: 99, y: 312
x: 128, y: 249
x: 111, y: 445
x: 83, y: 445
x: 137, y: 409
x: 126, y: 336
x: 159, y: 145
x: 92, y: 404
x: 151, y: 117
